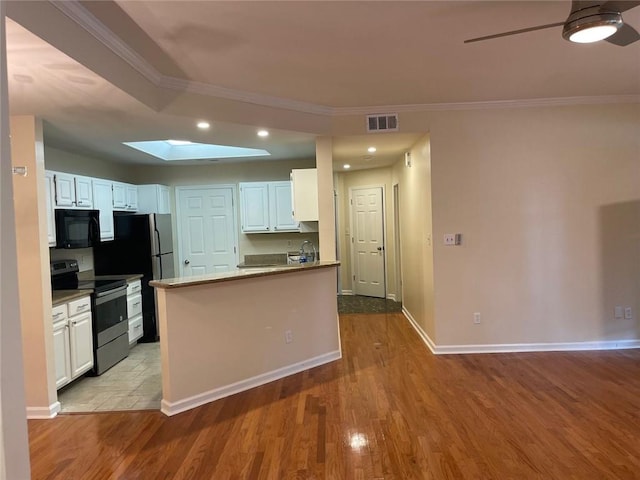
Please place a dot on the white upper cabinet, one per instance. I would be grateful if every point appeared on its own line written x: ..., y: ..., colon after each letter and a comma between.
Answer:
x: 125, y: 197
x: 103, y: 201
x: 265, y: 207
x: 304, y: 184
x: 254, y: 207
x: 72, y: 191
x: 153, y: 199
x: 51, y: 221
x: 119, y: 191
x: 84, y: 192
x: 280, y: 208
x: 65, y: 190
x: 132, y: 198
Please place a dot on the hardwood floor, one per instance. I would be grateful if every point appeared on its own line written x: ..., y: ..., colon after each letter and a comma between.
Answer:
x: 389, y: 409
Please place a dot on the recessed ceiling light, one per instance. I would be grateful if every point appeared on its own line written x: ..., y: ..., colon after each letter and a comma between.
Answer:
x: 346, y: 166
x: 203, y: 125
x: 178, y: 142
x: 371, y: 149
x: 263, y: 133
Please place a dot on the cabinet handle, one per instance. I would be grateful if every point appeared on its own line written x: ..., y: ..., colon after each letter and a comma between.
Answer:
x: 137, y: 303
x: 137, y: 327
x: 82, y: 307
x: 57, y: 315
x: 73, y: 323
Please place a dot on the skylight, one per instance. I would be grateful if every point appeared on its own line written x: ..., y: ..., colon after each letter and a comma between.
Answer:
x: 175, y: 150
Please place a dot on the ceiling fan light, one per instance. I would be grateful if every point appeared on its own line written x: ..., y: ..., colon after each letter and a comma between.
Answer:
x: 592, y: 28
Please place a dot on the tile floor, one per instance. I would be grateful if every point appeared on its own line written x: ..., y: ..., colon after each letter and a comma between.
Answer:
x: 133, y: 384
x: 362, y: 304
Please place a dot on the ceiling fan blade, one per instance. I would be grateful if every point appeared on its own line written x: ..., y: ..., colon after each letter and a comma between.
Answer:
x: 624, y: 36
x: 515, y: 32
x: 619, y: 5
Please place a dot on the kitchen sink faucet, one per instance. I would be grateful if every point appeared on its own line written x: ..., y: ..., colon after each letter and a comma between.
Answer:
x: 303, y: 254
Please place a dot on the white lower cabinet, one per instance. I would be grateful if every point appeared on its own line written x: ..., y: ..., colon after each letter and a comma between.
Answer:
x: 81, y: 344
x: 62, y: 354
x: 134, y: 311
x: 72, y: 340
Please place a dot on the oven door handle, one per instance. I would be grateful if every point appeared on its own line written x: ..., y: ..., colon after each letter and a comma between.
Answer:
x: 104, y: 297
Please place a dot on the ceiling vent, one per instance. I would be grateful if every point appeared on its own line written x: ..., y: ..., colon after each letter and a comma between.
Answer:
x: 387, y: 122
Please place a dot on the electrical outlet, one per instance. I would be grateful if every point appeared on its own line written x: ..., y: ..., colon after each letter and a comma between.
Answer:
x: 476, y: 318
x: 617, y: 312
x: 628, y: 314
x: 449, y: 239
x: 289, y: 243
x: 288, y: 336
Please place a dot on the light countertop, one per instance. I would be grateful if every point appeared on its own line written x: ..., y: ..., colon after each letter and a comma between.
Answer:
x: 90, y: 275
x: 59, y: 297
x: 240, y: 273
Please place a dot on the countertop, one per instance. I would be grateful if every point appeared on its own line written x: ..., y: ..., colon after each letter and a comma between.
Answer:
x: 240, y: 273
x: 59, y: 297
x: 90, y: 275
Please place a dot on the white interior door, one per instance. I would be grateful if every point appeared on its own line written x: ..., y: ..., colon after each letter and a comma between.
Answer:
x: 206, y: 230
x: 367, y: 232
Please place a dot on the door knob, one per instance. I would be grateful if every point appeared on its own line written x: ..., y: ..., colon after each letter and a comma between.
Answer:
x: 186, y: 262
x: 379, y: 249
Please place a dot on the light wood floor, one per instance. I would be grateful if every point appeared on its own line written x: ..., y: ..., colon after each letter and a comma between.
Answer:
x: 389, y: 409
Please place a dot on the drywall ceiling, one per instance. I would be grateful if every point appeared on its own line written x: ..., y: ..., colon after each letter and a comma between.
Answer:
x: 101, y: 73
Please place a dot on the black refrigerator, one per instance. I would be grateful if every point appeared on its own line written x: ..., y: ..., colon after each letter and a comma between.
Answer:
x: 143, y: 244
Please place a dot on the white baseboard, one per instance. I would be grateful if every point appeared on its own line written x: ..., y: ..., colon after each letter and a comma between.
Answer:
x: 173, y: 408
x: 519, y: 347
x: 41, y: 413
x: 423, y: 335
x: 391, y: 296
x: 347, y: 292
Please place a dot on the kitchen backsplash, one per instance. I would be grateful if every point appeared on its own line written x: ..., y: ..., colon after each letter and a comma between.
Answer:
x: 84, y: 256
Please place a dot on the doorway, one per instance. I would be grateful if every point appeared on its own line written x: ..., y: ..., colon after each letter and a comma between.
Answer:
x: 207, y: 229
x: 397, y: 240
x: 367, y: 241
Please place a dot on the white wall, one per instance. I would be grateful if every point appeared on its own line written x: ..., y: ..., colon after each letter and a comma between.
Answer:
x: 547, y: 202
x: 14, y: 447
x: 80, y: 164
x: 416, y: 239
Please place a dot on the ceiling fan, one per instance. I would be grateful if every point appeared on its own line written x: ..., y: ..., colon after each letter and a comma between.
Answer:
x: 588, y: 21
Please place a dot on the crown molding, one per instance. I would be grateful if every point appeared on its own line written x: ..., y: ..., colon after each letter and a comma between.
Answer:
x: 495, y: 104
x: 207, y: 89
x: 76, y: 12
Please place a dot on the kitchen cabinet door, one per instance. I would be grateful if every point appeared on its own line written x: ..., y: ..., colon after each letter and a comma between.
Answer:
x: 254, y: 207
x: 50, y: 199
x: 304, y: 183
x: 153, y: 199
x: 103, y: 201
x: 81, y: 343
x: 280, y: 208
x: 84, y: 192
x: 132, y: 198
x: 65, y: 190
x: 62, y: 353
x: 119, y: 191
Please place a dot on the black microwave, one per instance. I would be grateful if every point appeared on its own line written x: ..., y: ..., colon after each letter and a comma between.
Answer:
x: 77, y: 228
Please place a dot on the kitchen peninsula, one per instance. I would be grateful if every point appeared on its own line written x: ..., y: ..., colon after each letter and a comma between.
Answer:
x: 224, y: 333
